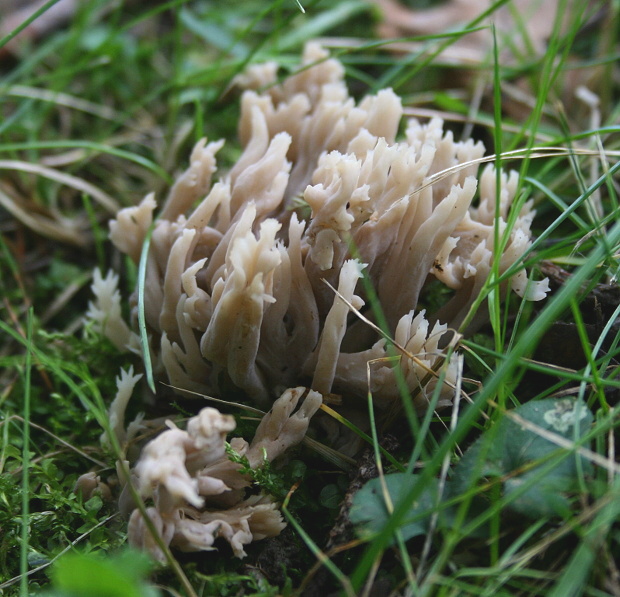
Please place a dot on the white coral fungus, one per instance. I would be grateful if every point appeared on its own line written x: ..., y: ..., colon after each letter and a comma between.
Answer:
x: 105, y: 312
x: 235, y: 287
x: 198, y: 492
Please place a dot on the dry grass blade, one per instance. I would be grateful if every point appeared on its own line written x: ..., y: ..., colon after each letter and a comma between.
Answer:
x: 517, y: 154
x: 81, y: 153
x: 61, y: 301
x: 376, y: 328
x: 343, y: 462
x: 109, y: 203
x: 64, y: 231
x: 251, y: 409
x: 63, y: 99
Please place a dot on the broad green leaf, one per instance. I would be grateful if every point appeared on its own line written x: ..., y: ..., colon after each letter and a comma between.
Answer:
x: 538, y: 472
x: 370, y: 513
x: 81, y: 575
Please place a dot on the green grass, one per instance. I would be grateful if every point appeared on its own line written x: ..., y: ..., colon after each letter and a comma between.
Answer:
x: 109, y: 107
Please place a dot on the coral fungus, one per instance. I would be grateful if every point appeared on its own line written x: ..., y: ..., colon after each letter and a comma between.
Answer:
x: 199, y: 493
x: 322, y: 192
x: 251, y: 280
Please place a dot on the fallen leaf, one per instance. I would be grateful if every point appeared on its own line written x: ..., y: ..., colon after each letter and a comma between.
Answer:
x: 522, y: 26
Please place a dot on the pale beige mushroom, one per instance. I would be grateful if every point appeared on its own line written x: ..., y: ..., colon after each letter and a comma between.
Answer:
x: 236, y: 291
x: 199, y: 493
x: 466, y: 258
x: 105, y: 313
x: 125, y: 384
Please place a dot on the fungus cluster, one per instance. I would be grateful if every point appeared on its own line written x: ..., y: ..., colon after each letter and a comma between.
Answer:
x: 323, y: 192
x: 199, y: 494
x: 251, y: 278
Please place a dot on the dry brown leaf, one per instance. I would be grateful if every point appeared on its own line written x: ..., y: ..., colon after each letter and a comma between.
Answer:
x: 14, y: 12
x: 523, y: 26
x: 522, y: 29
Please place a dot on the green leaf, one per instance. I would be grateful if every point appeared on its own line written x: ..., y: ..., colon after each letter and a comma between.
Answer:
x: 330, y: 496
x: 370, y: 513
x: 538, y: 473
x: 94, y: 504
x: 93, y: 575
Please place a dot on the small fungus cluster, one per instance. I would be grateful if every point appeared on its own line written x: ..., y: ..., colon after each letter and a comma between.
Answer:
x: 199, y: 494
